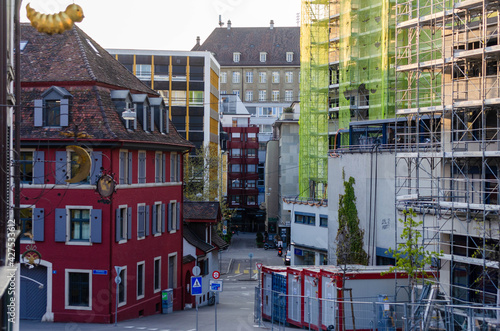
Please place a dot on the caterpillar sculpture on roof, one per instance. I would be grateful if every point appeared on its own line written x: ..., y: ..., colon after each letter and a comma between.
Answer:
x: 55, y: 23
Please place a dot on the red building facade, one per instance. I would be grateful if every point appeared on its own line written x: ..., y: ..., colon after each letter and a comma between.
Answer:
x: 76, y: 94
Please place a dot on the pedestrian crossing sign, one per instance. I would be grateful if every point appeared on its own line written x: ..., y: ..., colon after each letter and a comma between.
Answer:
x: 196, y: 288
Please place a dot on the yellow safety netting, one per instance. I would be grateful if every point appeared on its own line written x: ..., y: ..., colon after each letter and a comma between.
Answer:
x: 314, y: 45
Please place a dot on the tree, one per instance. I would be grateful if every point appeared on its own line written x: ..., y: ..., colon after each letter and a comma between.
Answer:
x: 350, y: 238
x: 201, y: 174
x: 411, y: 257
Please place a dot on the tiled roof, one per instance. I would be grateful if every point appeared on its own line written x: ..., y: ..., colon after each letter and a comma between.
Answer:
x: 68, y: 60
x: 218, y: 241
x: 201, y: 211
x: 196, y: 241
x: 250, y: 42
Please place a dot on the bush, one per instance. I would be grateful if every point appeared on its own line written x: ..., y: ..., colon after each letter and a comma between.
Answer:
x: 259, y: 239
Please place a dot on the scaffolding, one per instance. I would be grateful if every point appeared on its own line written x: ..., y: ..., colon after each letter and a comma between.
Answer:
x: 313, y: 154
x: 447, y: 160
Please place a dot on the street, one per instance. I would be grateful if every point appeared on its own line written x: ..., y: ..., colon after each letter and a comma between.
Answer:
x: 235, y: 311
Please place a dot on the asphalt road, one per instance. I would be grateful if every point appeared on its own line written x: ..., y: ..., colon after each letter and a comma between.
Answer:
x: 235, y: 311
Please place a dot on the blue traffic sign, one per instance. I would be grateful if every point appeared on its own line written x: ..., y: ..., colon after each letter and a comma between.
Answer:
x: 196, y: 288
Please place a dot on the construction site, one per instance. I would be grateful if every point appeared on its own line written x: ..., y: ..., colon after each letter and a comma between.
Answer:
x: 406, y: 95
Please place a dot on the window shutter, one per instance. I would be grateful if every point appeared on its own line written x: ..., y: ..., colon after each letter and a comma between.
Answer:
x: 164, y: 167
x: 155, y: 217
x: 60, y: 225
x: 129, y: 168
x: 172, y: 167
x: 38, y: 224
x: 163, y: 218
x: 169, y: 219
x: 38, y: 167
x: 38, y: 112
x: 61, y: 167
x: 122, y: 168
x: 142, y: 167
x: 178, y: 216
x: 118, y: 225
x: 157, y: 168
x: 147, y: 220
x: 129, y: 223
x: 179, y: 157
x: 140, y: 221
x: 96, y: 226
x: 95, y: 170
x: 64, y: 116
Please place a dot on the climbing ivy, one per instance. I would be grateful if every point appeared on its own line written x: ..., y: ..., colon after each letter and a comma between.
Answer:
x: 350, y: 237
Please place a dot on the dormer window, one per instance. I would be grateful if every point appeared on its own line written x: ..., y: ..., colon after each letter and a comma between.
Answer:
x: 159, y: 114
x: 289, y: 56
x: 122, y: 100
x: 53, y: 109
x: 236, y: 56
x: 141, y: 105
x: 263, y: 56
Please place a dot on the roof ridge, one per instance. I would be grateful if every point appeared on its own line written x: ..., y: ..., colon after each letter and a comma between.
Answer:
x: 84, y: 55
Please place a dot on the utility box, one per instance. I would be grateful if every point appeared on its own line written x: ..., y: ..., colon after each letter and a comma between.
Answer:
x: 167, y: 301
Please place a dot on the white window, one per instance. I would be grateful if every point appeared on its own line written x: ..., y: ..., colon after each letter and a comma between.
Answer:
x: 157, y: 274
x: 263, y: 56
x: 236, y: 56
x: 288, y: 95
x: 179, y: 98
x: 122, y: 224
x: 235, y: 135
x: 276, y: 95
x: 262, y: 77
x: 140, y: 280
x: 122, y: 288
x: 249, y: 96
x: 78, y: 289
x: 237, y: 93
x: 289, y: 56
x: 236, y: 76
x: 79, y: 223
x: 251, y: 168
x: 236, y: 152
x: 173, y: 216
x: 158, y: 218
x: 249, y: 77
x: 143, y: 71
x: 262, y: 95
x: 223, y: 77
x: 289, y: 76
x: 236, y: 168
x: 276, y: 77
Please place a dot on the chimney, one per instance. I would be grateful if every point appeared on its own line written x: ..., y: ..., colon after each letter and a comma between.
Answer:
x: 220, y: 21
x: 229, y: 24
x: 271, y: 24
x: 198, y: 41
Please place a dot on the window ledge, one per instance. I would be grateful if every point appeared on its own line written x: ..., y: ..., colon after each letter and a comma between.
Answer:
x: 77, y: 308
x: 122, y: 241
x: 78, y: 243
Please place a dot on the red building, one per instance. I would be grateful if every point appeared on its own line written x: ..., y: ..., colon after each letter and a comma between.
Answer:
x: 75, y: 93
x: 242, y: 191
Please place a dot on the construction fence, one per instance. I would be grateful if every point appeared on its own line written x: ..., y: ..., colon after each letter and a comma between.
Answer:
x: 279, y: 311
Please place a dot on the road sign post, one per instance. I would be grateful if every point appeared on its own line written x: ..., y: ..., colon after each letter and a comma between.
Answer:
x: 216, y: 287
x: 118, y: 280
x: 250, y: 255
x: 197, y: 281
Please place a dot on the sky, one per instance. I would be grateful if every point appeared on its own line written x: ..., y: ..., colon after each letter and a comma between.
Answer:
x: 167, y: 24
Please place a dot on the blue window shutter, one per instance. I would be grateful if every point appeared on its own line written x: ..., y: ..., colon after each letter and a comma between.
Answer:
x: 163, y: 218
x: 38, y: 224
x: 38, y: 112
x: 95, y: 170
x: 60, y: 225
x: 164, y: 167
x: 129, y: 168
x: 129, y: 223
x: 179, y: 157
x: 155, y: 217
x: 64, y: 116
x: 178, y: 215
x: 169, y: 219
x: 142, y: 167
x: 96, y: 226
x: 172, y: 167
x: 147, y: 220
x: 61, y: 167
x: 157, y: 168
x: 122, y: 168
x: 38, y: 167
x: 118, y: 225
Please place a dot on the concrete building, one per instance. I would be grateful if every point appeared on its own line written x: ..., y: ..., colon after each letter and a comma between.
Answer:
x: 260, y: 66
